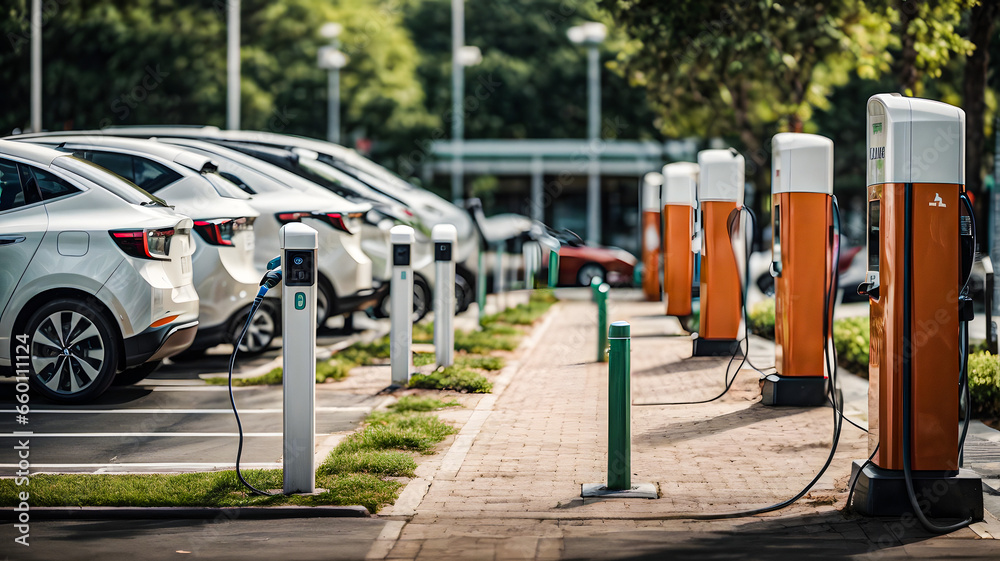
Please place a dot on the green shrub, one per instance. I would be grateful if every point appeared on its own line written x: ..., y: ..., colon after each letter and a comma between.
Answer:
x: 850, y: 336
x: 984, y: 384
x: 761, y: 318
x: 452, y: 378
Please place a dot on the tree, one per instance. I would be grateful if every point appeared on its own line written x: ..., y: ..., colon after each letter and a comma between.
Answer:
x: 982, y: 22
x: 929, y: 37
x: 121, y: 62
x: 747, y: 68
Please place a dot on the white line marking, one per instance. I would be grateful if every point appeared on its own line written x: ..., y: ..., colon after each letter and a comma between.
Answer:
x: 186, y: 411
x: 155, y: 465
x: 145, y: 434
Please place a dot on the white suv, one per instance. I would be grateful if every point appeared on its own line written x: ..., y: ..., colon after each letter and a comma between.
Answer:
x: 96, y: 274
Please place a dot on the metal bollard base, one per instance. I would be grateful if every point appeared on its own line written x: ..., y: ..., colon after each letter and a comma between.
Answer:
x: 637, y: 491
x: 882, y: 492
x: 794, y: 391
x: 716, y: 347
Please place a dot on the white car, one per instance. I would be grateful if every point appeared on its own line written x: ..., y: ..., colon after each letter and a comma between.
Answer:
x: 96, y: 276
x: 225, y: 274
x: 345, y: 271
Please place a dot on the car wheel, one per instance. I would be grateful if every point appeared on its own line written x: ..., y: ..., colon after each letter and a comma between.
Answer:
x: 136, y: 374
x: 261, y: 332
x: 422, y: 298
x: 765, y: 283
x: 588, y: 272
x: 73, y: 351
x: 463, y: 294
x: 324, y: 299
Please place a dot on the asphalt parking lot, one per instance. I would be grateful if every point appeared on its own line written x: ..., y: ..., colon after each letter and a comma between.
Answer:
x: 174, y: 421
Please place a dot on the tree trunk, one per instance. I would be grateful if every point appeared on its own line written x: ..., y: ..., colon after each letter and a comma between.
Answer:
x: 981, y: 25
x: 908, y: 54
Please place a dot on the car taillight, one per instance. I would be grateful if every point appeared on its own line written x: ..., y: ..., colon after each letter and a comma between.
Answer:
x: 335, y: 219
x: 215, y: 232
x: 144, y: 244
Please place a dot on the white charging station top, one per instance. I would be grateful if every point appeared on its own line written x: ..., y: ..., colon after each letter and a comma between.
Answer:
x: 680, y: 184
x: 401, y: 233
x: 722, y: 176
x: 651, y: 183
x: 801, y: 163
x: 444, y: 233
x: 913, y: 140
x: 296, y: 235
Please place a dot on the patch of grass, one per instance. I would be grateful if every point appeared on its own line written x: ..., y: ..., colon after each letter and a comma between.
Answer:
x: 481, y: 342
x: 421, y: 404
x: 452, y: 378
x: 364, y: 354
x: 524, y: 314
x: 423, y: 359
x: 397, y: 431
x: 333, y: 369
x: 387, y: 463
x: 761, y: 318
x: 423, y: 332
x: 490, y: 363
x: 850, y: 336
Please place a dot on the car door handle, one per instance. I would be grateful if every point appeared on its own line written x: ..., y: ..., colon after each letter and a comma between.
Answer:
x: 8, y: 240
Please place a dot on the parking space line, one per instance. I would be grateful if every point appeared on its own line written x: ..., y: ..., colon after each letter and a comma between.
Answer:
x: 188, y: 411
x: 155, y: 465
x: 142, y: 434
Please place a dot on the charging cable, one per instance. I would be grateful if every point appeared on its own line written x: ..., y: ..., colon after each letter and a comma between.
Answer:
x: 270, y: 280
x: 745, y: 341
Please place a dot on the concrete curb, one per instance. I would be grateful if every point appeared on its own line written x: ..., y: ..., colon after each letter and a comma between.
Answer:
x: 187, y: 513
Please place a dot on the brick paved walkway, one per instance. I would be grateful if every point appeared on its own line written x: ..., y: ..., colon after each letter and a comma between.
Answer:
x: 508, y: 487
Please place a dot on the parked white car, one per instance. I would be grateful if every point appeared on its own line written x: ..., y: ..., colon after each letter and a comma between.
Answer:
x: 96, y: 276
x: 345, y: 271
x: 225, y: 275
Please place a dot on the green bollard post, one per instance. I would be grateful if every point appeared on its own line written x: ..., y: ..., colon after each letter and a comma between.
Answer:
x: 602, y: 322
x: 595, y: 283
x: 619, y: 408
x: 481, y: 288
x: 553, y: 268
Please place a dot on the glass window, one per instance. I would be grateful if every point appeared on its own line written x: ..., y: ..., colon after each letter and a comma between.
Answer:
x: 238, y: 182
x: 11, y: 194
x: 119, y: 164
x: 152, y: 176
x: 51, y: 187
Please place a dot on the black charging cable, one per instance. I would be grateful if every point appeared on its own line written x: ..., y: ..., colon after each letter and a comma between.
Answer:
x: 270, y: 280
x: 838, y: 412
x: 745, y: 341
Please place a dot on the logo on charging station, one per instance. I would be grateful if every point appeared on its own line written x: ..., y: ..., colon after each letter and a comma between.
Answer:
x: 300, y: 300
x: 938, y: 201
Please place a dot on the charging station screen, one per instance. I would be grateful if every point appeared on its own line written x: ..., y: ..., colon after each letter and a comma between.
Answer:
x: 874, y: 211
x: 776, y: 240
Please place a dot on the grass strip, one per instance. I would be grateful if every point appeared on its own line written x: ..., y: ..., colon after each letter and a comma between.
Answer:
x: 452, y: 378
x: 355, y: 473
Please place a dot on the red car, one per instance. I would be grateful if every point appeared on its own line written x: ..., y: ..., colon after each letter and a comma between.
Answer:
x: 579, y: 262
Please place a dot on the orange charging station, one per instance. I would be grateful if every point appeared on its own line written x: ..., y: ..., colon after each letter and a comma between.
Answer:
x: 680, y: 235
x: 651, y: 184
x: 802, y: 254
x: 720, y: 192
x: 920, y: 251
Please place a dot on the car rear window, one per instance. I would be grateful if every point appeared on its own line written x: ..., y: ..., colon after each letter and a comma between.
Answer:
x: 147, y: 174
x: 125, y: 189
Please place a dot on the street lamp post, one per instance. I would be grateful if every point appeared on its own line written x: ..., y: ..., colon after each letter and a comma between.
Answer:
x: 36, y: 66
x: 461, y: 56
x: 233, y: 65
x: 332, y: 59
x: 591, y: 35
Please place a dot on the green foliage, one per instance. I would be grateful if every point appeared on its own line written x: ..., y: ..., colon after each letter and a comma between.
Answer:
x: 490, y: 363
x: 421, y: 404
x: 397, y: 431
x: 761, y: 318
x: 336, y: 368
x: 423, y: 359
x: 984, y: 384
x: 452, y: 378
x: 387, y: 463
x: 851, y: 336
x: 364, y: 354
x: 273, y: 377
x: 484, y: 341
